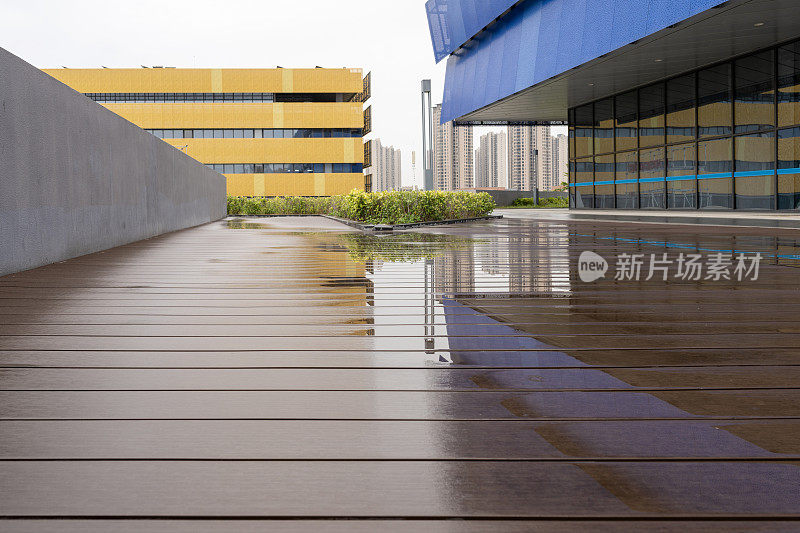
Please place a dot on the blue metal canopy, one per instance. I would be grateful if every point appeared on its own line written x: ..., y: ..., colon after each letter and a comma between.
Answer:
x: 454, y: 22
x: 541, y: 56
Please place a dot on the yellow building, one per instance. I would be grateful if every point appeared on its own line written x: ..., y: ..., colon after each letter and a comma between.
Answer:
x: 271, y: 132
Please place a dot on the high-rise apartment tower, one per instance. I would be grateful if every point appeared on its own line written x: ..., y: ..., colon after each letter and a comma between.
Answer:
x: 386, y: 169
x: 453, y: 166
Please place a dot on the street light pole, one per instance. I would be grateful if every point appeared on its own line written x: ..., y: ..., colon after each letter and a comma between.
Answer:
x: 427, y: 136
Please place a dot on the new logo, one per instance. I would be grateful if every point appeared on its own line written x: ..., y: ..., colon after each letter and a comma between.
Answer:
x: 591, y: 267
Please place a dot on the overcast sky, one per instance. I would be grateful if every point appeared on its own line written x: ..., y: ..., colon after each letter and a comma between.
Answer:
x: 388, y: 37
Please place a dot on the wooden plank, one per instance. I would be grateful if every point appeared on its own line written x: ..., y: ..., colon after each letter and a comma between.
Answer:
x: 367, y: 358
x: 390, y: 526
x: 431, y: 379
x: 393, y: 489
x: 393, y: 405
x: 399, y: 440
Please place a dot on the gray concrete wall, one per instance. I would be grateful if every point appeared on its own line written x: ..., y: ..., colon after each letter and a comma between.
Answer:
x: 506, y: 198
x: 75, y: 178
x: 553, y: 194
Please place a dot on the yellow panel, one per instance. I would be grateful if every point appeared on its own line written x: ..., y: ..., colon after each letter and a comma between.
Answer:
x: 288, y: 81
x: 240, y: 185
x: 350, y: 152
x: 216, y: 80
x: 258, y: 185
x: 205, y: 80
x: 277, y: 116
x: 229, y: 115
x: 319, y: 184
x: 293, y: 184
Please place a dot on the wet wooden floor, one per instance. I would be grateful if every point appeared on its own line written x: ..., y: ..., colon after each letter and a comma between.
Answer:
x: 288, y: 374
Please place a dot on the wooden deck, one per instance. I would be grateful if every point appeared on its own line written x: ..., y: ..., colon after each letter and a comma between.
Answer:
x: 291, y: 373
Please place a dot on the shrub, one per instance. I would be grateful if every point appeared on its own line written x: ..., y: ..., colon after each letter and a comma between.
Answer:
x: 554, y: 201
x: 395, y: 207
x: 550, y: 202
x: 523, y: 202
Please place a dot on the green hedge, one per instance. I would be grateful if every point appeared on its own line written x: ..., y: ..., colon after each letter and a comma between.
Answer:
x: 374, y: 208
x: 544, y: 202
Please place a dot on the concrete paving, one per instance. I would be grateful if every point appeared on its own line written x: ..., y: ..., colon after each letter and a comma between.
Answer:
x: 288, y: 373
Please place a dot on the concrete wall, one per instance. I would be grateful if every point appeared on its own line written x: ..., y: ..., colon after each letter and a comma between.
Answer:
x: 506, y: 198
x: 553, y: 194
x: 75, y: 178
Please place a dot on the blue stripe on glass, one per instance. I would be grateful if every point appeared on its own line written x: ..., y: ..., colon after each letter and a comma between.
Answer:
x: 783, y: 171
x: 753, y: 174
x: 720, y: 175
x: 715, y: 176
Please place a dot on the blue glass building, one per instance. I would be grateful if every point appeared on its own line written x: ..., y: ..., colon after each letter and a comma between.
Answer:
x: 671, y: 104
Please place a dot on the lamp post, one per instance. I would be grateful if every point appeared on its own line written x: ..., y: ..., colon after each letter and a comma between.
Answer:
x: 427, y: 136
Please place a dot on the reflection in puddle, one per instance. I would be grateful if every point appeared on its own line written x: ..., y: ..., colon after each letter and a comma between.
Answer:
x: 402, y: 247
x: 491, y: 304
x: 499, y: 310
x: 241, y: 223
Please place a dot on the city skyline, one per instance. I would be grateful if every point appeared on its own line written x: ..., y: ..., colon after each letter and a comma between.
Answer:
x: 520, y: 158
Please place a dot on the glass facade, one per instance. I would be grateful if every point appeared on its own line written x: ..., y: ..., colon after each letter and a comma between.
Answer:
x: 285, y: 168
x: 258, y: 133
x: 238, y: 98
x: 724, y: 137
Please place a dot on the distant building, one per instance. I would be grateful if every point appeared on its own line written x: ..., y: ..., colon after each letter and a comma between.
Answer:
x: 271, y: 132
x: 529, y: 157
x: 386, y: 169
x: 560, y: 161
x: 491, y: 161
x: 536, y: 159
x: 453, y: 167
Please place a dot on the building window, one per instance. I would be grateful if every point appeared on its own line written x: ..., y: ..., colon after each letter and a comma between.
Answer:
x: 651, y: 115
x: 714, y: 101
x: 789, y: 168
x: 754, y: 171
x: 754, y: 93
x: 584, y: 186
x: 238, y: 98
x: 283, y: 168
x: 715, y: 174
x: 604, y: 126
x: 254, y: 134
x: 571, y: 132
x: 681, y: 160
x: 681, y: 109
x: 626, y: 121
x: 627, y: 180
x: 789, y: 85
x: 604, y: 181
x: 652, y: 179
x: 583, y: 131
